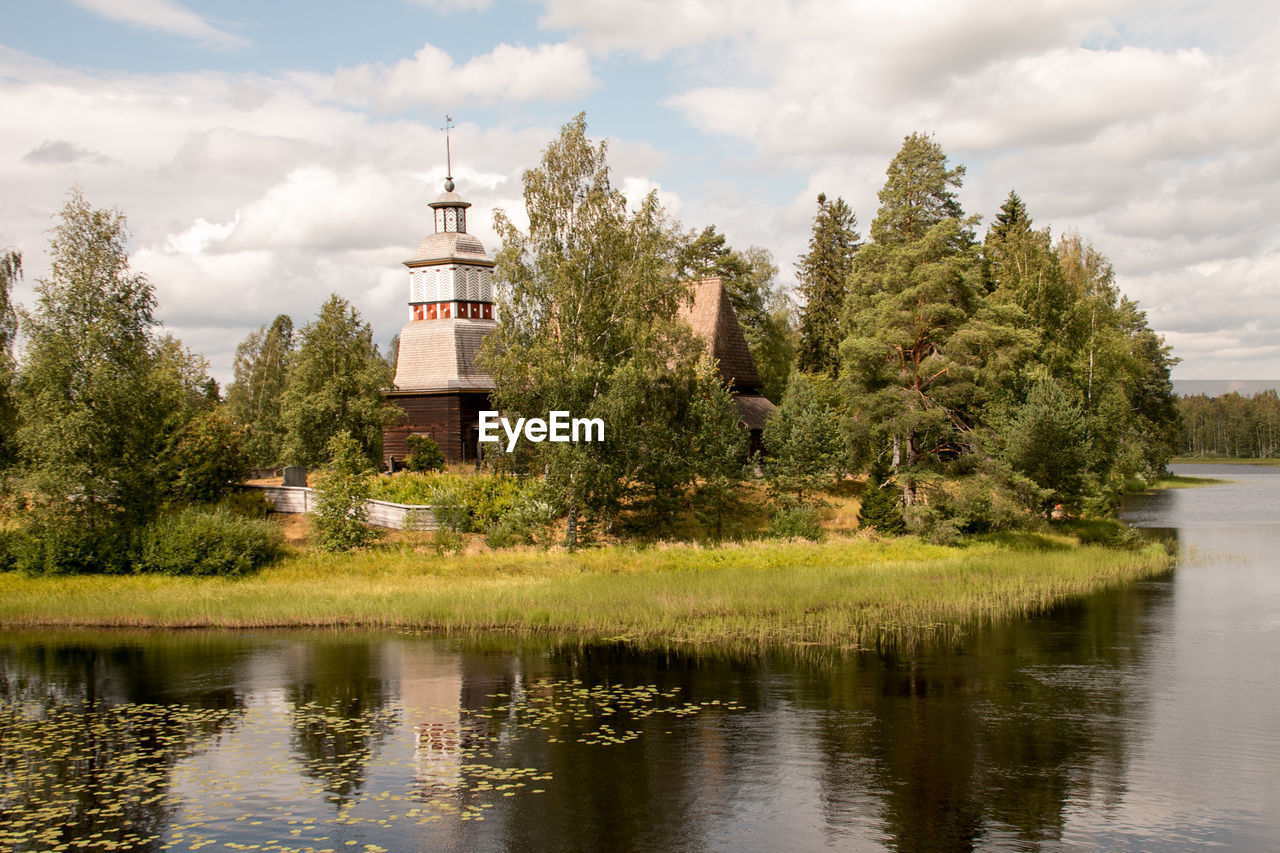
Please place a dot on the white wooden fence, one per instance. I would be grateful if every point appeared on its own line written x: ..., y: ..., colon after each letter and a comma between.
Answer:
x: 381, y: 513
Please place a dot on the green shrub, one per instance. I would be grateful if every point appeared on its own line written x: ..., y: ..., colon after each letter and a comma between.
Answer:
x: 250, y: 503
x: 207, y: 542
x: 465, y: 503
x: 1102, y: 531
x: 62, y: 546
x: 341, y: 490
x: 525, y: 522
x: 424, y: 454
x: 801, y: 521
x: 446, y: 541
x: 932, y: 524
x: 981, y: 504
x: 8, y: 541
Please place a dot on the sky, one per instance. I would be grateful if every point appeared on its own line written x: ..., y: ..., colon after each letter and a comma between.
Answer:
x: 268, y: 154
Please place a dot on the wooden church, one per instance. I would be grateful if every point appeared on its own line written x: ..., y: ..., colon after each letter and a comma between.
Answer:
x: 438, y: 384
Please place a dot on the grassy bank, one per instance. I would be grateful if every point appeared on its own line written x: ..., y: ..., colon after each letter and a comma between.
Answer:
x: 1220, y: 460
x: 1181, y: 481
x: 850, y: 592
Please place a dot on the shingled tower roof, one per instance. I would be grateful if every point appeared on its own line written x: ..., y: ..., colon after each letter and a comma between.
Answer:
x: 712, y: 318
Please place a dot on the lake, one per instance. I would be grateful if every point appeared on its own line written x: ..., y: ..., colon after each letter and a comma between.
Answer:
x: 1142, y: 718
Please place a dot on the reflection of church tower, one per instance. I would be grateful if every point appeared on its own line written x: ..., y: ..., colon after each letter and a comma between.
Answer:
x: 437, y: 382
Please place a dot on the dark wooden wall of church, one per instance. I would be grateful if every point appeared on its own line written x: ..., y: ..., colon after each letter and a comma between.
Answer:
x: 450, y: 419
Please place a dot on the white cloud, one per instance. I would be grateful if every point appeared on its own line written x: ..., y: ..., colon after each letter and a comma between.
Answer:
x: 165, y: 16
x: 247, y: 196
x: 1150, y: 138
x: 508, y: 73
x: 448, y: 6
x: 650, y: 28
x: 1148, y: 128
x: 636, y: 187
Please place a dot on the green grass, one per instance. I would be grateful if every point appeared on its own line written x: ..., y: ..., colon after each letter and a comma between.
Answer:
x: 1180, y: 481
x: 848, y: 593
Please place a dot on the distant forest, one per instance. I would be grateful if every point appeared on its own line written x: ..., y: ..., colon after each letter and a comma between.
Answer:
x: 1231, y: 425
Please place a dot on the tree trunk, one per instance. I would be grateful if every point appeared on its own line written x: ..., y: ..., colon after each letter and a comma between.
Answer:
x: 571, y: 527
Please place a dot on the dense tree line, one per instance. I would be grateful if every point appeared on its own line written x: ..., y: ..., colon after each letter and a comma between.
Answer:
x: 980, y: 383
x: 107, y: 423
x: 1012, y: 366
x: 1231, y: 425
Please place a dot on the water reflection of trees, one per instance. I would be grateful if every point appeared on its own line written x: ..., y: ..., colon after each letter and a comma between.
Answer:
x: 90, y: 730
x: 994, y: 740
x: 989, y: 743
x: 951, y: 749
x: 341, y: 711
x: 639, y: 794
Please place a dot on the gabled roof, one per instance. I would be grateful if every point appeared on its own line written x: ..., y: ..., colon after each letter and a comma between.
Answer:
x: 712, y: 319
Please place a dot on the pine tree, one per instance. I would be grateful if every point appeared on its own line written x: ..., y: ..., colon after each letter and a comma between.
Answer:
x: 823, y: 274
x: 917, y: 194
x: 912, y: 291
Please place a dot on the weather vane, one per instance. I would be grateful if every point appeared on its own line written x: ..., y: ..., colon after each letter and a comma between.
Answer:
x: 448, y: 156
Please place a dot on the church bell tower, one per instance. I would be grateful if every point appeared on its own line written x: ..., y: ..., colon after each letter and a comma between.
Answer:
x: 438, y: 384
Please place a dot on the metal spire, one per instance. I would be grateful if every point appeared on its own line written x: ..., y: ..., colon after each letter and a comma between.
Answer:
x: 448, y: 155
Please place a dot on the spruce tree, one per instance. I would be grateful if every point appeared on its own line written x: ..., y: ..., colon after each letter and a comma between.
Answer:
x: 823, y: 272
x: 881, y: 503
x: 807, y: 447
x: 1046, y: 439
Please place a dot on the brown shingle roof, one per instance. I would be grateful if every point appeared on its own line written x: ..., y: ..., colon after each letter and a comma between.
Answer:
x: 712, y: 318
x: 754, y: 410
x: 440, y: 355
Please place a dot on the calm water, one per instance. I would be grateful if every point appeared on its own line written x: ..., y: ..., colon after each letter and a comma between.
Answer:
x: 1147, y: 718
